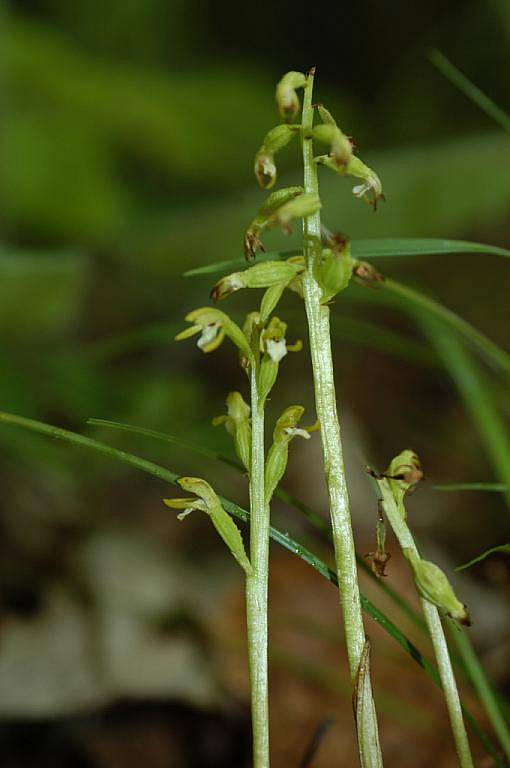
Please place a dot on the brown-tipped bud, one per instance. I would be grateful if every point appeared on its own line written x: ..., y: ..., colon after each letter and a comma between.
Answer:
x: 340, y: 145
x: 367, y: 275
x: 286, y: 97
x: 406, y: 470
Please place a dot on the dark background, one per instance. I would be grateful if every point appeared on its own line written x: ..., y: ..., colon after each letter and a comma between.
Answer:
x: 128, y: 136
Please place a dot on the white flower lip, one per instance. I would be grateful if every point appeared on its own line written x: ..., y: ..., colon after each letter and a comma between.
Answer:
x: 208, y: 334
x: 298, y: 432
x: 276, y: 349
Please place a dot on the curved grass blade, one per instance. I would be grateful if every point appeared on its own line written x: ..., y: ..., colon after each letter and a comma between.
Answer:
x: 489, y: 487
x: 469, y: 89
x: 476, y: 396
x: 414, y: 246
x: 367, y: 249
x: 283, y: 539
x: 478, y: 559
x: 489, y: 350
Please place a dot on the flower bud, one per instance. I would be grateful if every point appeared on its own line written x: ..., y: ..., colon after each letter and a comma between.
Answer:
x: 213, y: 326
x: 365, y: 274
x: 252, y: 242
x: 263, y: 275
x: 286, y: 97
x: 285, y: 430
x: 435, y: 587
x: 275, y: 140
x: 334, y: 270
x: 340, y: 145
x: 237, y: 424
x: 209, y: 502
x: 405, y: 470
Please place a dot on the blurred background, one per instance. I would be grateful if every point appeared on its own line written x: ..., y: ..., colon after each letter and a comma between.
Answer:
x: 128, y: 136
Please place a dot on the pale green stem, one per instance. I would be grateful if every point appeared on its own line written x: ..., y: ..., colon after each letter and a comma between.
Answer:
x: 482, y: 686
x: 325, y: 402
x: 256, y: 585
x: 451, y: 694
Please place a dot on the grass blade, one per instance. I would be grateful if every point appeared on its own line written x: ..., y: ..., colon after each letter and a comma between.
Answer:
x: 469, y: 89
x: 490, y: 487
x: 366, y: 249
x: 283, y: 539
x: 414, y: 246
x: 476, y: 396
x: 489, y: 350
x: 500, y: 548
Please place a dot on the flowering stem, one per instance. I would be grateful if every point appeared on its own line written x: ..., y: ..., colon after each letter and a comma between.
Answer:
x: 435, y: 627
x: 257, y: 582
x: 325, y: 400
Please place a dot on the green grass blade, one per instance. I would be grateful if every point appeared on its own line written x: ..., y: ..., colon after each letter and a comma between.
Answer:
x: 478, y: 559
x: 280, y: 538
x: 489, y: 487
x: 475, y: 395
x: 469, y: 89
x: 489, y: 350
x: 366, y: 249
x: 414, y: 246
x: 482, y: 685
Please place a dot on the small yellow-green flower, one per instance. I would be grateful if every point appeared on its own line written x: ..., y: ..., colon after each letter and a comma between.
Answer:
x: 286, y: 429
x: 276, y: 139
x: 206, y: 500
x: 213, y: 325
x: 237, y: 424
x: 371, y: 188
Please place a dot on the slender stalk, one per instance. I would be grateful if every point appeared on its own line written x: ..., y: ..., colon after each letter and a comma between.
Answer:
x: 435, y: 627
x: 257, y: 584
x: 482, y: 686
x: 325, y: 400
